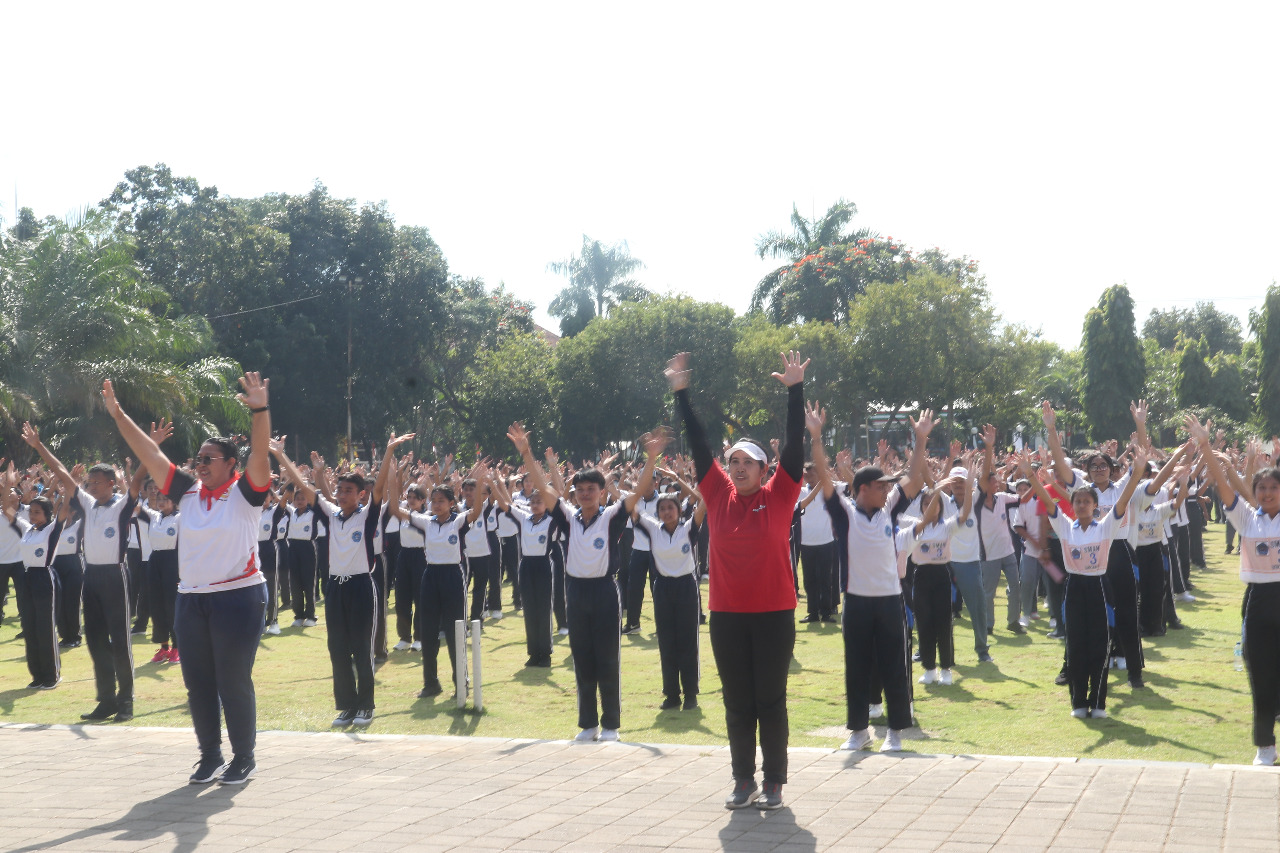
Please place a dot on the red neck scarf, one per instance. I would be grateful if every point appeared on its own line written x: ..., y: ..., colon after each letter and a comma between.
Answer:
x: 211, y: 495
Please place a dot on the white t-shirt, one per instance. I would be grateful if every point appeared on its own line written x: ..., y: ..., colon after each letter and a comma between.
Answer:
x: 535, y: 536
x: 219, y: 533
x: 443, y: 537
x: 410, y: 536
x: 815, y: 522
x: 36, y: 547
x: 993, y: 523
x: 350, y: 538
x: 672, y: 552
x: 105, y: 526
x: 872, y: 546
x: 644, y: 506
x: 162, y: 531
x: 964, y: 542
x: 1259, y: 542
x: 69, y: 539
x: 590, y: 544
x: 1085, y: 550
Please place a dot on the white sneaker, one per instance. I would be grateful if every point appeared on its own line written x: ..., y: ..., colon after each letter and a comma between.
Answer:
x: 588, y: 735
x: 564, y: 632
x: 1266, y: 756
x: 496, y: 615
x: 1098, y: 713
x: 1053, y: 623
x: 1121, y: 663
x: 297, y: 623
x: 416, y: 646
x: 273, y: 628
x: 609, y: 734
x: 875, y: 711
x: 1080, y: 713
x: 1025, y: 621
x: 945, y: 678
x: 1186, y: 596
x: 892, y: 742
x: 857, y: 740
x: 929, y: 677
x: 402, y: 646
x: 308, y: 623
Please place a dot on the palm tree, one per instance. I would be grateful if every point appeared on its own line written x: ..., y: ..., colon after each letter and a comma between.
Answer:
x: 598, y: 280
x: 806, y: 238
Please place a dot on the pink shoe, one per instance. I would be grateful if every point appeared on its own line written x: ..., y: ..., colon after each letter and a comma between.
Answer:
x: 161, y: 656
x: 173, y: 655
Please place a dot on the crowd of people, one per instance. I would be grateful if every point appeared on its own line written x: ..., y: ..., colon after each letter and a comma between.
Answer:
x: 215, y: 553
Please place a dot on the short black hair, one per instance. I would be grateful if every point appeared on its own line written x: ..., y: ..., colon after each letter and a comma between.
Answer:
x: 230, y: 450
x: 355, y: 479
x: 470, y: 481
x: 105, y: 470
x: 45, y: 504
x: 588, y: 475
x: 447, y: 491
x: 416, y: 491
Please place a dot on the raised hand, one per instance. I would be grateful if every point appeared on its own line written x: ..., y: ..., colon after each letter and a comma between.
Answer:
x: 923, y: 426
x: 1049, y: 415
x: 78, y: 473
x: 989, y: 436
x: 161, y: 431
x: 656, y: 441
x: 109, y: 400
x: 276, y: 445
x: 678, y: 372
x: 519, y: 437
x: 397, y: 440
x: 30, y: 435
x: 1139, y: 412
x: 815, y: 418
x: 792, y: 369
x: 1199, y: 432
x: 956, y: 448
x: 255, y: 390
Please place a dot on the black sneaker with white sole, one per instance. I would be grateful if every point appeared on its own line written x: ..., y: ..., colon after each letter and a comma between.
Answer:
x: 363, y: 718
x: 744, y: 794
x: 238, y: 771
x: 207, y: 769
x: 771, y: 798
x: 344, y: 719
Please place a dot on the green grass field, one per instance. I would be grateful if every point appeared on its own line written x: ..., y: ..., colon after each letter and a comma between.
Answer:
x: 1196, y: 706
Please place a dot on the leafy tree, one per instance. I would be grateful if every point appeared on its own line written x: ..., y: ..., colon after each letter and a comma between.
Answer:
x: 1114, y: 366
x: 1227, y: 388
x: 77, y: 310
x: 1266, y: 326
x: 1194, y: 381
x: 608, y: 379
x: 1008, y: 388
x: 1161, y: 391
x: 599, y: 279
x: 1220, y: 331
x: 511, y: 382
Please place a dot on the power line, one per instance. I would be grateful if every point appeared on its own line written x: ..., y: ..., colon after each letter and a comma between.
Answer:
x: 265, y: 307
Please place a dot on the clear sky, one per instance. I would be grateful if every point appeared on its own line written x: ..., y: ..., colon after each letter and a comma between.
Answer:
x: 1067, y: 147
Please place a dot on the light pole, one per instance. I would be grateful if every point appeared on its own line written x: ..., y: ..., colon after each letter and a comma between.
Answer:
x: 349, y: 282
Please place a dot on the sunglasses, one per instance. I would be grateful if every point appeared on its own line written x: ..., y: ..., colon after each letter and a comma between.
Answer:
x: 205, y: 459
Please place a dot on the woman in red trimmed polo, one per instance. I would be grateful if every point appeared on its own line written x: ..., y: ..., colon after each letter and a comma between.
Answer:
x: 753, y: 596
x: 222, y: 598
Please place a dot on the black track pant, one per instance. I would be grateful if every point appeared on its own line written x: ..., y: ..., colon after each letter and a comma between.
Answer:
x: 1088, y: 640
x: 413, y: 562
x: 639, y: 568
x: 302, y: 578
x: 322, y: 563
x: 493, y: 601
x: 37, y: 594
x: 1261, y: 612
x: 162, y: 572
x: 875, y: 639
x: 818, y: 563
x: 511, y: 568
x: 1124, y: 603
x: 284, y: 564
x: 441, y: 603
x: 381, y: 590
x: 753, y: 654
x: 219, y: 633
x: 139, y: 589
x: 675, y: 616
x: 557, y: 585
x: 391, y: 556
x: 70, y: 569
x: 595, y: 639
x: 350, y: 616
x: 480, y: 568
x: 932, y: 591
x: 535, y: 587
x: 1151, y: 587
x: 1183, y: 536
x: 268, y: 558
x: 106, y: 632
x: 16, y: 571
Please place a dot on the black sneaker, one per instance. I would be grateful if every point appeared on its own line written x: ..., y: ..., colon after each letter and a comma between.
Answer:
x: 771, y: 798
x: 1176, y: 625
x: 1137, y: 683
x: 207, y: 769
x: 1016, y: 628
x: 631, y: 629
x: 363, y: 718
x: 690, y: 703
x: 430, y: 690
x: 49, y: 685
x: 138, y: 629
x: 125, y: 713
x: 238, y: 771
x: 670, y: 703
x: 810, y: 618
x: 102, y: 712
x: 1060, y: 679
x: 744, y: 794
x: 69, y: 644
x: 1056, y: 634
x: 985, y: 658
x: 344, y: 719
x: 35, y: 685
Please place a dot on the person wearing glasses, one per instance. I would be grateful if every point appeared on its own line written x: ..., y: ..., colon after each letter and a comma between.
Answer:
x: 222, y: 595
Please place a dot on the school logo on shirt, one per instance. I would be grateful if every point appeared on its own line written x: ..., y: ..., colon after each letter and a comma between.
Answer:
x: 598, y: 544
x: 355, y: 536
x: 542, y: 538
x: 968, y: 522
x: 39, y: 552
x: 110, y: 533
x: 171, y: 532
x: 1075, y: 553
x: 684, y: 549
x: 888, y: 531
x: 306, y: 528
x: 924, y: 549
x: 1263, y: 549
x: 266, y: 527
x: 71, y: 540
x: 453, y: 539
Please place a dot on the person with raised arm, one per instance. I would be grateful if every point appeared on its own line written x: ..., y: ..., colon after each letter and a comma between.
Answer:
x: 1086, y: 544
x: 350, y: 600
x: 875, y: 625
x: 592, y: 594
x: 536, y: 532
x: 752, y: 598
x: 1259, y: 531
x: 38, y: 537
x: 1151, y: 509
x: 222, y: 599
x: 107, y: 627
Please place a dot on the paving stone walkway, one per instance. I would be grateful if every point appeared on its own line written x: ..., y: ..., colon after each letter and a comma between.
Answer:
x: 105, y: 788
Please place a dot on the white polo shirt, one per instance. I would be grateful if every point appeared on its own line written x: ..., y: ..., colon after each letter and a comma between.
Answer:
x: 815, y: 522
x: 644, y: 506
x: 350, y: 538
x: 1259, y: 542
x: 590, y: 543
x: 302, y: 524
x: 1085, y: 550
x: 161, y: 529
x: 476, y: 539
x: 1107, y: 498
x: 11, y: 542
x: 443, y: 537
x: 36, y: 547
x: 871, y: 545
x: 69, y: 539
x: 105, y: 527
x: 218, y: 530
x: 535, y: 536
x: 993, y: 524
x: 672, y: 551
